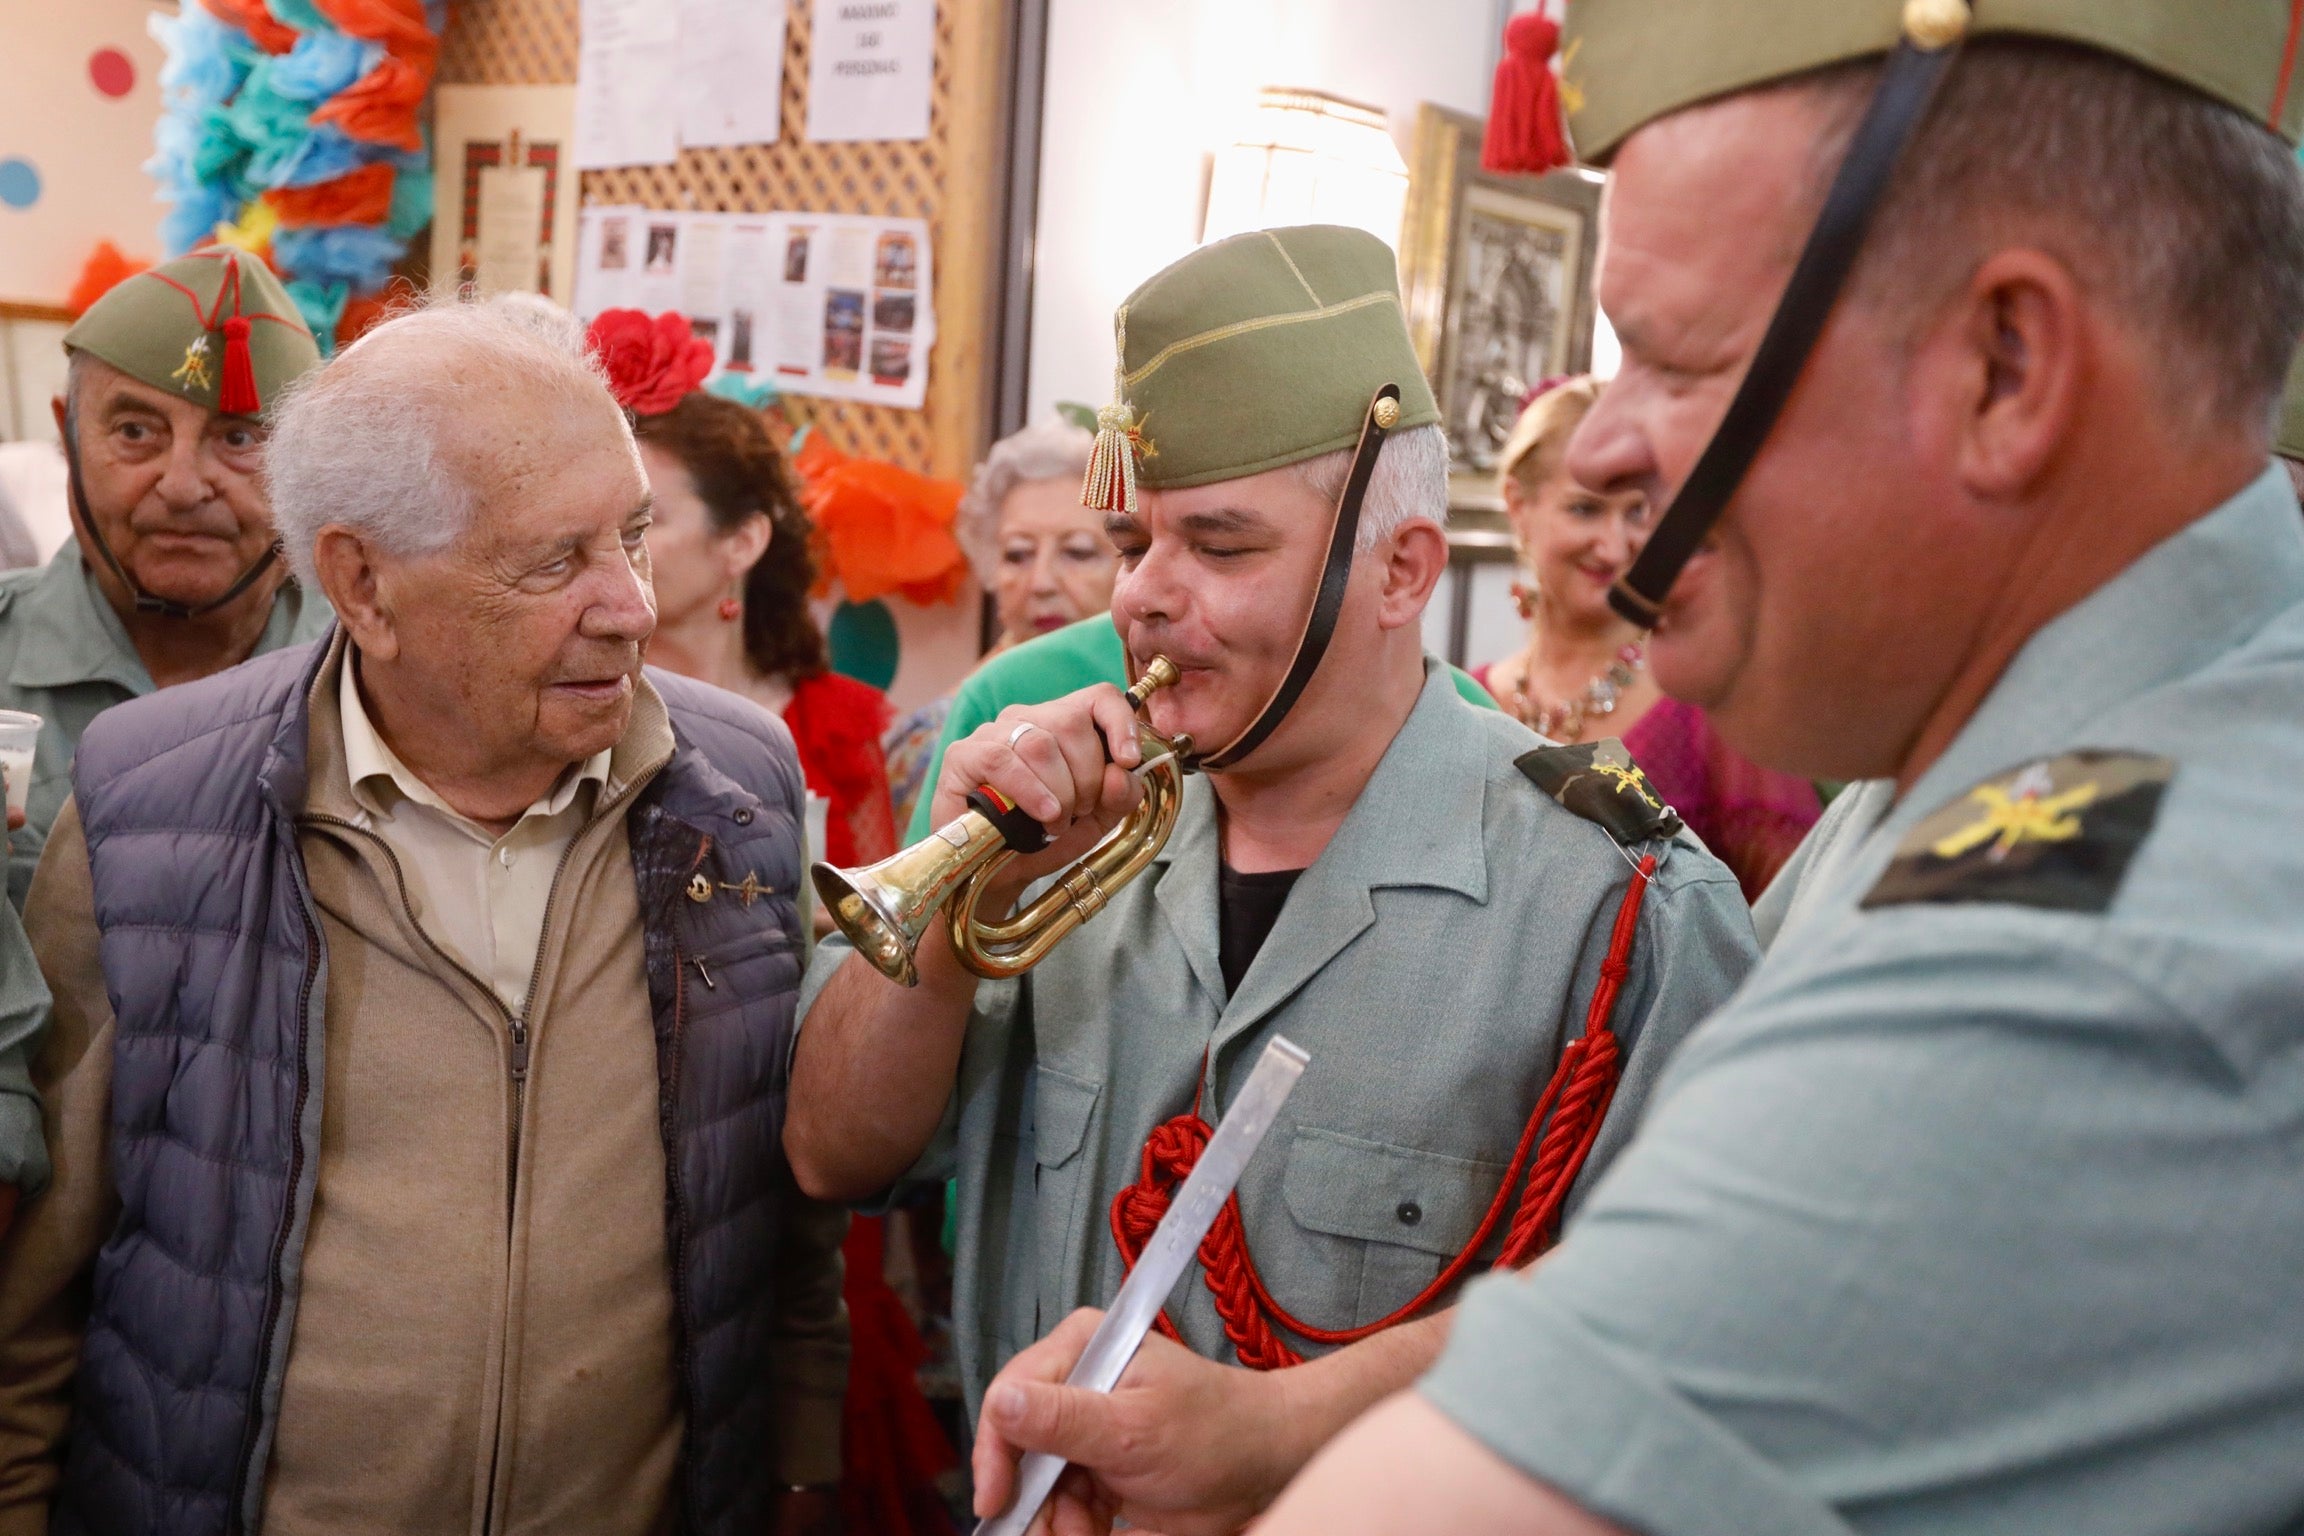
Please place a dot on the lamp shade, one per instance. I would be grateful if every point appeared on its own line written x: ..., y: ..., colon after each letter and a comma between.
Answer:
x: 1309, y: 158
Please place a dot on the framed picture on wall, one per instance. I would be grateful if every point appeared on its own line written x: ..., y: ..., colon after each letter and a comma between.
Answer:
x: 1496, y: 273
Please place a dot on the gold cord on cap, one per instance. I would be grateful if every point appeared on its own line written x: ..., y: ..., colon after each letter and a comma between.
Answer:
x: 1934, y: 24
x: 1110, y: 485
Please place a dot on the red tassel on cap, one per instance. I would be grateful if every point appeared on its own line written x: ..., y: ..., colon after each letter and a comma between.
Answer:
x: 236, y: 396
x: 1525, y: 130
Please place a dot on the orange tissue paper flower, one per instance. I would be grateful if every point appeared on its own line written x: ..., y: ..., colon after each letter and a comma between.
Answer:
x: 398, y: 24
x: 263, y: 28
x: 884, y: 529
x: 363, y: 196
x: 106, y: 270
x: 380, y: 107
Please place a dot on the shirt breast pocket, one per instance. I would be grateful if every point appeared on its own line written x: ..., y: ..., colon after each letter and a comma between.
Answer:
x: 1063, y: 1109
x: 1396, y: 1215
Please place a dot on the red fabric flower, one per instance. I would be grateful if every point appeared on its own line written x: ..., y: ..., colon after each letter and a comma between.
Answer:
x: 652, y: 364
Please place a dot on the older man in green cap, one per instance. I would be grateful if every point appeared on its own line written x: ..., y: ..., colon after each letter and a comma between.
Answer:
x: 171, y: 574
x: 1418, y: 892
x: 1974, y: 1212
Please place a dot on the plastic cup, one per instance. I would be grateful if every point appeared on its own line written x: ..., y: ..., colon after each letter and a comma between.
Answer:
x: 19, y: 741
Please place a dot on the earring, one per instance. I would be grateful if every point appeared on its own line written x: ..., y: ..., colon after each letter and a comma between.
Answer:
x: 1524, y: 598
x: 731, y: 608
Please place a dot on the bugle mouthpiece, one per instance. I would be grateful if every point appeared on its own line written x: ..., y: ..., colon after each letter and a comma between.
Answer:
x: 1159, y: 673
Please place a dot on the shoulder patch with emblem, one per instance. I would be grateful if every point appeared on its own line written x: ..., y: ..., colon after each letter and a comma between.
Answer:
x: 1599, y: 781
x: 2057, y: 834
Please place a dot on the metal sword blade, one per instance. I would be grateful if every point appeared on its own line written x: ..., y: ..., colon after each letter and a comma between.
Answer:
x: 1163, y: 1262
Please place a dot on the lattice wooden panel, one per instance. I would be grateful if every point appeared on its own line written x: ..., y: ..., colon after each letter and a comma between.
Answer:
x: 947, y: 179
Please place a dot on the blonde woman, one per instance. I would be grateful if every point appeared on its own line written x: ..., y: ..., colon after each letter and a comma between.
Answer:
x: 1582, y: 674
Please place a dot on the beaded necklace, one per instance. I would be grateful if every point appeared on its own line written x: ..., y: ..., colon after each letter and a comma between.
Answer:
x: 1565, y: 721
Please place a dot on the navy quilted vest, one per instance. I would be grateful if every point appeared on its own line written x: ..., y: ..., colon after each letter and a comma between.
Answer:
x: 217, y: 972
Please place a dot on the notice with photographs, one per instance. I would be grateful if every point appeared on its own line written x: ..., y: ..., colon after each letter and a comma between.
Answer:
x: 825, y: 304
x: 870, y: 66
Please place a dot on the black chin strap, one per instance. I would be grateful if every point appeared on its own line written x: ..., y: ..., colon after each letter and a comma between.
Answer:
x: 1907, y: 86
x: 1328, y: 599
x: 146, y: 602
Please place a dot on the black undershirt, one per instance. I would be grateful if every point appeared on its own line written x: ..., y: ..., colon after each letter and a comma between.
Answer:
x: 1247, y: 906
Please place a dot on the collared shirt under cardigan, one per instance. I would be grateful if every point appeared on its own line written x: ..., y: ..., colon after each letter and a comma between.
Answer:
x: 479, y: 895
x: 1433, y: 961
x: 1973, y: 1215
x: 66, y: 657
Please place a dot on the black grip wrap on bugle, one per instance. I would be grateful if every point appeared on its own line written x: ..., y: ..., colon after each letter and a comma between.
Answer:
x: 1019, y: 832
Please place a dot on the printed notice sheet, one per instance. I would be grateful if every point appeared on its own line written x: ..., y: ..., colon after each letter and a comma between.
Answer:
x: 824, y: 304
x: 871, y: 64
x: 731, y: 71
x: 627, y: 84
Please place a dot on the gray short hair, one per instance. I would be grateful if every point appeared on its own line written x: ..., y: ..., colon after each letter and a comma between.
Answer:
x: 367, y: 440
x: 1051, y: 450
x: 1410, y: 480
x: 2169, y: 207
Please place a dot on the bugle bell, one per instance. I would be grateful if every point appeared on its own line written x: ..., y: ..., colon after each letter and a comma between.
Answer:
x: 885, y: 908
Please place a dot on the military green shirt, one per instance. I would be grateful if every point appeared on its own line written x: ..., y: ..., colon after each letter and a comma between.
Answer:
x: 66, y: 657
x: 1433, y: 961
x: 1981, y: 1208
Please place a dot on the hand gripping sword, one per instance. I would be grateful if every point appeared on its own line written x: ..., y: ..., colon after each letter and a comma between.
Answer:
x: 1165, y: 1258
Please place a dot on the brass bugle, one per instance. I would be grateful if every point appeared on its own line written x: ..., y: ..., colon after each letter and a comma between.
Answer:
x: 886, y: 908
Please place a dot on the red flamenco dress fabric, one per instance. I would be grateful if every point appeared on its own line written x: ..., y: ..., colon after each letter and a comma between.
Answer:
x: 893, y: 1450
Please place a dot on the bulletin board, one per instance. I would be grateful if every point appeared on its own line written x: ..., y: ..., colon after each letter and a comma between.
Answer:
x: 951, y: 179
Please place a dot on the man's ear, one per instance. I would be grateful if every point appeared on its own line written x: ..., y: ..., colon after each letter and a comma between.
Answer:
x: 1415, y: 557
x: 2022, y: 333
x: 353, y: 586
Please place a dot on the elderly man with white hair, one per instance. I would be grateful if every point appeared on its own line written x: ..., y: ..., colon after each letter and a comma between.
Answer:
x: 423, y: 1003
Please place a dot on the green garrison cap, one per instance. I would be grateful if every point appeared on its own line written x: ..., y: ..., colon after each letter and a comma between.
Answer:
x: 1629, y: 62
x: 1255, y: 352
x: 214, y: 327
x: 2289, y: 443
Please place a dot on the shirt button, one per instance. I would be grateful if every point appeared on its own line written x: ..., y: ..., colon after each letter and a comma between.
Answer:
x: 1409, y: 1213
x: 504, y: 857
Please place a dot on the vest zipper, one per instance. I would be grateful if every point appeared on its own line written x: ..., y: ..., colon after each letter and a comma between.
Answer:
x: 516, y: 1026
x: 235, y: 1510
x: 678, y: 1191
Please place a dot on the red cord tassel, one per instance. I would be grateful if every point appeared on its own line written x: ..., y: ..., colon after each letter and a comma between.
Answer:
x: 1525, y: 130
x: 236, y: 396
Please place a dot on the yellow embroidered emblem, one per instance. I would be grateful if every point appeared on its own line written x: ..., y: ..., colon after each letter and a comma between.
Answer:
x: 1571, y: 90
x: 1629, y: 779
x: 192, y: 373
x: 2020, y: 814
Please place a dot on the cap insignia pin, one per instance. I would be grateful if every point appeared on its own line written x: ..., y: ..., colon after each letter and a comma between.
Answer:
x: 193, y: 373
x: 749, y: 891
